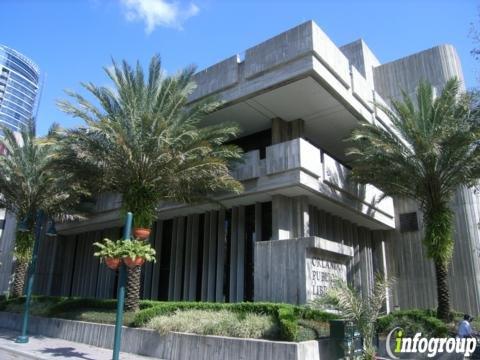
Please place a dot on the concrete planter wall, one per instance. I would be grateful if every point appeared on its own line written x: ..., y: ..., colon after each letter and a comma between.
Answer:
x: 174, y: 346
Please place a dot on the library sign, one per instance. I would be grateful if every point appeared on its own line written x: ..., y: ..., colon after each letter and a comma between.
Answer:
x: 322, y: 270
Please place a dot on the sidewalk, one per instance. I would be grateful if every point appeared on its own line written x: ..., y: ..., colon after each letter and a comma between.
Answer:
x: 41, y: 347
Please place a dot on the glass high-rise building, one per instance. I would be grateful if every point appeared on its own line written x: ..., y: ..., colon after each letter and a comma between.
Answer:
x: 19, y: 88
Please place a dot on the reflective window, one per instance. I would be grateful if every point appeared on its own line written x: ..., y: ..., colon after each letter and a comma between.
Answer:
x: 15, y: 107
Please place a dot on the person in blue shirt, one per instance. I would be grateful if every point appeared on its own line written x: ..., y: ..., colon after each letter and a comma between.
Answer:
x: 465, y: 329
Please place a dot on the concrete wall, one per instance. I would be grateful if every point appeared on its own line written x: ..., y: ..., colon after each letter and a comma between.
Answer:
x: 435, y: 65
x: 280, y: 271
x: 173, y: 346
x: 362, y: 58
x: 280, y: 263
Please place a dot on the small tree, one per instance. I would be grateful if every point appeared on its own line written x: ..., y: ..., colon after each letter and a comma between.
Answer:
x: 362, y: 311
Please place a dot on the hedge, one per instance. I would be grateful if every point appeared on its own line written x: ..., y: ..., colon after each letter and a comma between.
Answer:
x: 286, y: 315
x: 413, y: 321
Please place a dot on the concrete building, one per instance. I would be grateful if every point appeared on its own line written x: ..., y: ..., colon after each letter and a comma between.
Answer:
x: 19, y: 89
x: 300, y: 221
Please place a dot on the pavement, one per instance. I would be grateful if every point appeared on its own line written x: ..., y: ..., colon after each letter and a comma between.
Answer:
x: 45, y: 348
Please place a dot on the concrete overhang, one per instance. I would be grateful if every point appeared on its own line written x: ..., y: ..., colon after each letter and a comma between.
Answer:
x: 291, y: 183
x: 299, y: 74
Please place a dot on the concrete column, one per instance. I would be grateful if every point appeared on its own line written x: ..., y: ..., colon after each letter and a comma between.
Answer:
x: 188, y: 256
x: 303, y: 216
x: 212, y: 261
x: 192, y: 290
x: 279, y: 130
x: 241, y: 254
x: 220, y: 256
x: 179, y: 260
x: 173, y: 256
x: 297, y: 128
x: 283, y: 130
x: 156, y: 266
x: 233, y: 255
x: 281, y: 217
x: 51, y: 268
x: 366, y: 268
x: 356, y: 272
x: 348, y: 234
x: 205, y: 253
x: 290, y: 217
x: 380, y: 260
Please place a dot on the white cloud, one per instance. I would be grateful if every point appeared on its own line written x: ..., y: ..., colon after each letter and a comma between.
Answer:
x: 158, y: 13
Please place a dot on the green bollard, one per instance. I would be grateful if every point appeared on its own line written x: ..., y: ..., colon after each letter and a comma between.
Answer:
x: 122, y: 280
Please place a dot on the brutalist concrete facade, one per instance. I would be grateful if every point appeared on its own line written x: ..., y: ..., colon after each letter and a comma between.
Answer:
x: 300, y: 222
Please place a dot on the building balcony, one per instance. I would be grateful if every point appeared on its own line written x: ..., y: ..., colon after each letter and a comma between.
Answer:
x: 293, y: 169
x: 296, y: 167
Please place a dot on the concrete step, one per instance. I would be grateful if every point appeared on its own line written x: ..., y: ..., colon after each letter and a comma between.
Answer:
x: 45, y: 348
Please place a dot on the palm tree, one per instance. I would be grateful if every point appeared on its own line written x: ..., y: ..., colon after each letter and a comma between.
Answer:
x: 144, y: 142
x: 352, y: 306
x: 29, y: 183
x: 430, y: 151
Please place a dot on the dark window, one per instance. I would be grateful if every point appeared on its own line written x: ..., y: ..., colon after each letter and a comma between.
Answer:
x: 266, y: 221
x: 256, y: 141
x: 408, y: 222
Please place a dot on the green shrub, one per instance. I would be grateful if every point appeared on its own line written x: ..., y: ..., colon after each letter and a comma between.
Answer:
x: 222, y: 323
x: 413, y: 321
x: 285, y: 315
x: 74, y: 304
x: 288, y: 323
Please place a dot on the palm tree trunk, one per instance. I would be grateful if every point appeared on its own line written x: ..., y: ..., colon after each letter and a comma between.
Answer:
x: 20, y: 273
x: 443, y: 296
x: 133, y: 289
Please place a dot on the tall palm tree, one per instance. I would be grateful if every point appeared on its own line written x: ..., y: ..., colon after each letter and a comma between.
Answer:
x: 29, y: 183
x: 144, y: 142
x: 431, y: 150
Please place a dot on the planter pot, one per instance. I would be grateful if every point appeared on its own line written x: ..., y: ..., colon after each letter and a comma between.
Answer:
x: 131, y: 263
x: 141, y: 233
x: 113, y: 263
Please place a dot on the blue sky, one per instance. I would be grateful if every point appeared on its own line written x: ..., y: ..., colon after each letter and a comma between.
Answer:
x: 71, y: 40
